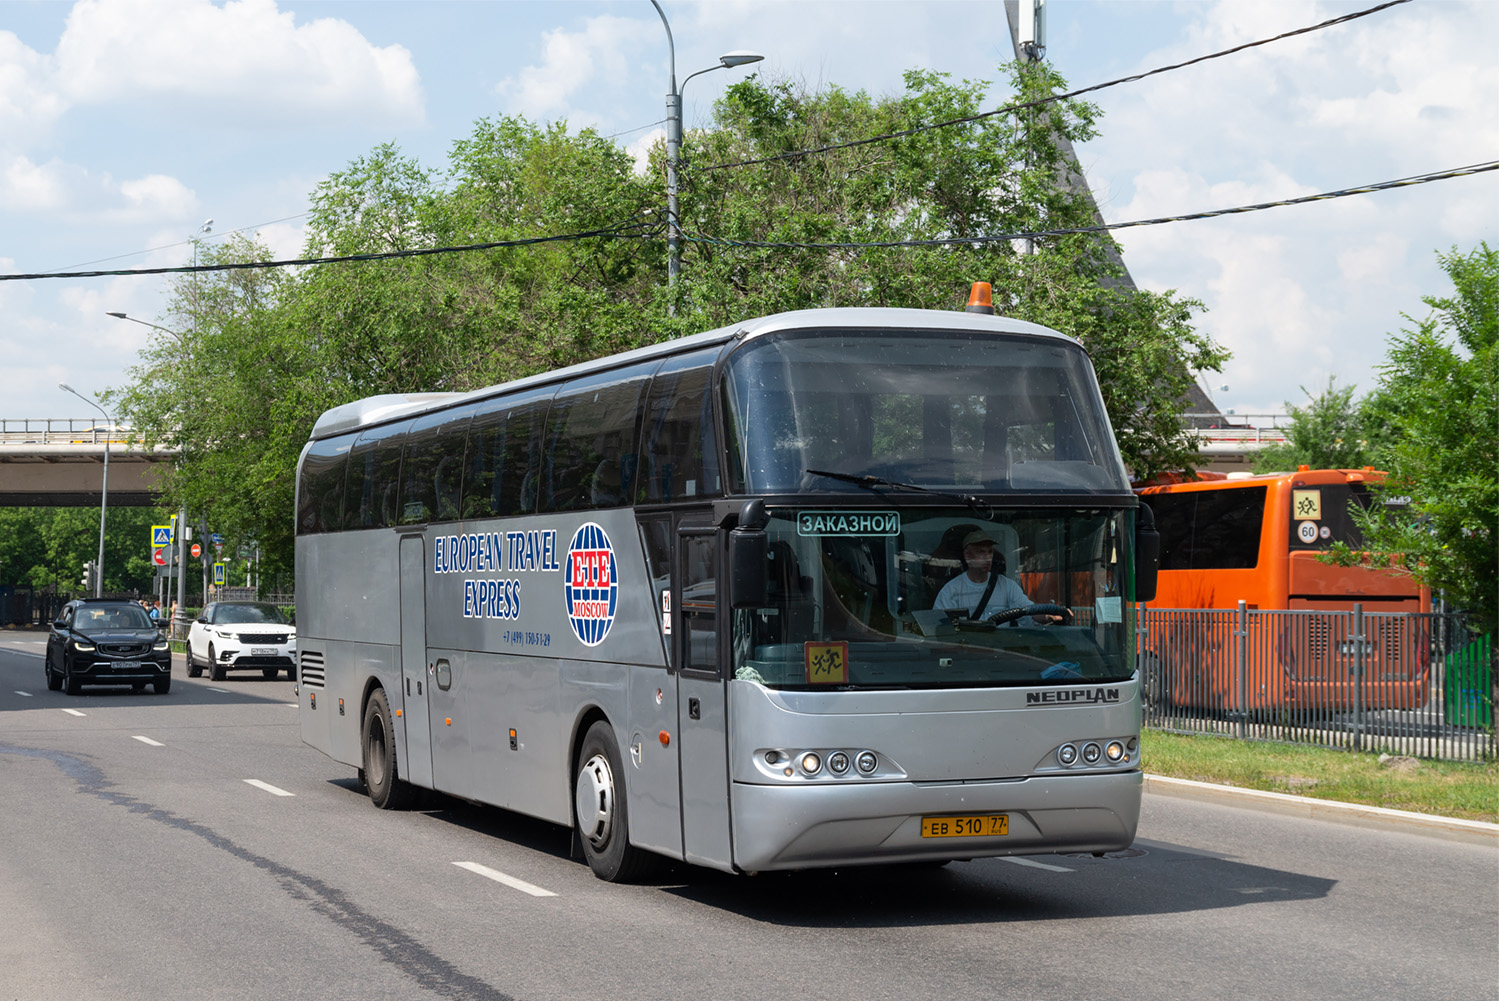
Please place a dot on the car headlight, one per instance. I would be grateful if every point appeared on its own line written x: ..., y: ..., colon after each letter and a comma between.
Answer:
x: 161, y: 645
x: 83, y: 647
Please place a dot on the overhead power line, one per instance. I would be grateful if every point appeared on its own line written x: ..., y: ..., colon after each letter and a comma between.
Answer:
x: 642, y: 229
x: 629, y: 230
x: 1106, y: 227
x: 1039, y: 102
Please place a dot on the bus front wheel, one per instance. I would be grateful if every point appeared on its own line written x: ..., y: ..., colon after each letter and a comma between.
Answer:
x: 602, y: 817
x: 381, y: 777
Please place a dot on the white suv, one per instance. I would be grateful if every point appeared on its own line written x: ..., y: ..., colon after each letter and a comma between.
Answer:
x: 241, y: 636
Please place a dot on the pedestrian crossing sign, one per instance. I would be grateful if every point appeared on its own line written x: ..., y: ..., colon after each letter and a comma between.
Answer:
x: 161, y: 535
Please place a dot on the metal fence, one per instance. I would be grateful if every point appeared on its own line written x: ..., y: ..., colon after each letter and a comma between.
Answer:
x: 1404, y: 683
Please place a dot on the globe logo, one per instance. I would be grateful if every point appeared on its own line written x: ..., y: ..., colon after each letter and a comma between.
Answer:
x: 590, y: 587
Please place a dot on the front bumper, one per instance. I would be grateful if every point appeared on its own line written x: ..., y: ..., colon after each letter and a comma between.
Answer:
x: 794, y: 827
x: 102, y: 671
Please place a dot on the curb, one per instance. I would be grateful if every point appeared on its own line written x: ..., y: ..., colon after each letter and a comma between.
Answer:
x: 1473, y: 832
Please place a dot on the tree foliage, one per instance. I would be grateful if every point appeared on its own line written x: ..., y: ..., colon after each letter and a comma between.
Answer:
x: 1437, y: 405
x: 1328, y: 433
x: 48, y: 547
x: 258, y: 355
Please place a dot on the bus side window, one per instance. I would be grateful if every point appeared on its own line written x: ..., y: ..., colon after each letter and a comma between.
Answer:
x: 320, y: 498
x: 432, y: 464
x: 677, y: 440
x: 590, y: 462
x: 699, y: 602
x: 373, y: 486
x: 519, y: 470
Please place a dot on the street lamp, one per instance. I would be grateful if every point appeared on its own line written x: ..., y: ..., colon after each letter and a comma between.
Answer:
x: 104, y: 493
x: 674, y: 141
x: 122, y: 316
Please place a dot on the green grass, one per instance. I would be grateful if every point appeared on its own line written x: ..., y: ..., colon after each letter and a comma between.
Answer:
x: 1467, y: 790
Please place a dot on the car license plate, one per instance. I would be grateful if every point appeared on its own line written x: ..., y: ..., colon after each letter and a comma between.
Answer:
x: 984, y: 825
x: 262, y: 651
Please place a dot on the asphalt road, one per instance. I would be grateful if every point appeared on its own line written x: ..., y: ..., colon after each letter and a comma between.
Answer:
x: 189, y: 846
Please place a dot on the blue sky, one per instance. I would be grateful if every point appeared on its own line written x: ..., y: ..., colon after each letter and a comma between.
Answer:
x: 124, y: 124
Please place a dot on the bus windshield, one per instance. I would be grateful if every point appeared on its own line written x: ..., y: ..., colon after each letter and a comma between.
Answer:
x: 879, y: 598
x: 970, y: 412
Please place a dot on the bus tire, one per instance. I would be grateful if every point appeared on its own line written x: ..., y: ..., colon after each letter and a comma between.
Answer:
x: 378, y: 739
x: 601, y: 813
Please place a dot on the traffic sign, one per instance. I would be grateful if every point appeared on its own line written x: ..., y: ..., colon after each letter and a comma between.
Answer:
x: 196, y: 550
x: 218, y: 574
x: 159, y: 557
x: 161, y: 535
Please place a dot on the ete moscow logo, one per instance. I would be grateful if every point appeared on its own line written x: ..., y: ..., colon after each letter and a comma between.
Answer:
x: 590, y: 584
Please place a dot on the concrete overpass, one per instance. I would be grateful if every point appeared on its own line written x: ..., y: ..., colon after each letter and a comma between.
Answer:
x: 59, y: 462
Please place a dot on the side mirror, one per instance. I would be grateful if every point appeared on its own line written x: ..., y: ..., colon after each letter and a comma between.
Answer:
x: 203, y: 620
x: 59, y: 624
x: 749, y: 585
x: 1147, y: 553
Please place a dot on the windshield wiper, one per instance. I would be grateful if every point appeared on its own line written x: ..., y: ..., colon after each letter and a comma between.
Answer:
x: 869, y: 482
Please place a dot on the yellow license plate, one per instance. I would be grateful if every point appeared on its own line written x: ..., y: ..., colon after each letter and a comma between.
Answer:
x: 984, y: 825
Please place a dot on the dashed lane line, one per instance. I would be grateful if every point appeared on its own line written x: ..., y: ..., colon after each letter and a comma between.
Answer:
x: 148, y: 740
x: 500, y: 877
x: 25, y: 695
x: 268, y: 788
x: 74, y: 712
x: 1017, y: 860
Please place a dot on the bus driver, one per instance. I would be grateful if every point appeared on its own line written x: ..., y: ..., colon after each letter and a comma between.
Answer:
x: 976, y: 593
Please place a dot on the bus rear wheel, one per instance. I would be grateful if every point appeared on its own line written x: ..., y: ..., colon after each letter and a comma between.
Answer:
x: 602, y: 816
x: 382, y: 780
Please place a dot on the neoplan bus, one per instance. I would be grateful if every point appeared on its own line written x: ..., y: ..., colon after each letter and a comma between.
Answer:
x: 682, y: 598
x: 1259, y: 540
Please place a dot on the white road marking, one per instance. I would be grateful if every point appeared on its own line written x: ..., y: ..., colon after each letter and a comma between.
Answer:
x: 291, y: 705
x: 74, y: 712
x: 148, y: 740
x: 221, y: 691
x: 1033, y: 863
x: 269, y: 788
x: 26, y: 695
x: 500, y: 877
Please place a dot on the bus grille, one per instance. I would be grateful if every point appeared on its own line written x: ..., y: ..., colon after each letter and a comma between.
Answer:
x: 311, y: 670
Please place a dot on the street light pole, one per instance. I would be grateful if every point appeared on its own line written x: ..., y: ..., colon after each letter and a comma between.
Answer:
x: 103, y: 493
x: 674, y: 142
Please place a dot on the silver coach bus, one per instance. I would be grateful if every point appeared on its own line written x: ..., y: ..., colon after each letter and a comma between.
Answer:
x: 689, y: 599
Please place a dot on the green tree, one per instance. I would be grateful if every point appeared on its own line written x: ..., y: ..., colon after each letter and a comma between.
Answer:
x: 1328, y: 433
x: 996, y: 175
x: 1438, y: 402
x: 259, y: 355
x: 47, y: 547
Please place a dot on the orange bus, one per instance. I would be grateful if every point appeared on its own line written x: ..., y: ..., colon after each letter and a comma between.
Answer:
x: 1257, y: 540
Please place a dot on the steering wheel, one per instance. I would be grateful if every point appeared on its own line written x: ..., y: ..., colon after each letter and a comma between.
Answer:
x: 1011, y: 614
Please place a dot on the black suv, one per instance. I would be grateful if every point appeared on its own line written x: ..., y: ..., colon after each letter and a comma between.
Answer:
x: 107, y: 641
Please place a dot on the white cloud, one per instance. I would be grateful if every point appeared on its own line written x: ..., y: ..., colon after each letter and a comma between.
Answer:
x: 245, y: 58
x: 606, y: 48
x: 29, y: 187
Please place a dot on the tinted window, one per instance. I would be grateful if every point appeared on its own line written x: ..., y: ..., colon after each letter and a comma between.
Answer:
x: 590, y: 441
x: 933, y: 408
x: 1210, y: 529
x: 372, y: 490
x: 320, y: 492
x: 678, y: 443
x: 432, y: 470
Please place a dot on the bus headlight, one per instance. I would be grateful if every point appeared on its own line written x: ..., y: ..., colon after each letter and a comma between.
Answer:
x: 867, y: 762
x: 1114, y: 752
x: 838, y: 762
x: 1091, y: 753
x: 811, y: 763
x: 1067, y: 755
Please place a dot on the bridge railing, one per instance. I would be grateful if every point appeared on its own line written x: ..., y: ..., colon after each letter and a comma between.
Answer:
x: 62, y: 431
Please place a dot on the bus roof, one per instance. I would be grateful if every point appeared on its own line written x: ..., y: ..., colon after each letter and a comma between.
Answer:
x: 1208, y: 480
x: 379, y: 409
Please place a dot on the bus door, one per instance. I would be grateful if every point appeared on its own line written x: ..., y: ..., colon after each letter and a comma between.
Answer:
x: 417, y: 763
x: 702, y: 732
